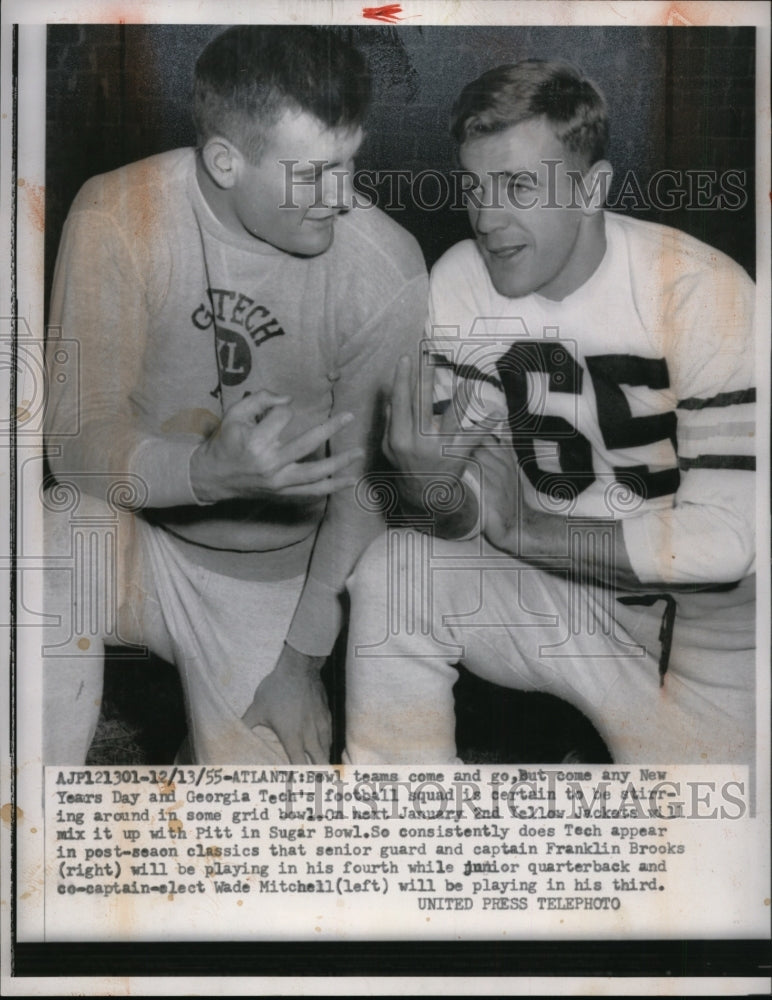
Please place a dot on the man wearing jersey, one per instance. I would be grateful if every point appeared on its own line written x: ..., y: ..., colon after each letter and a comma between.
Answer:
x: 578, y: 434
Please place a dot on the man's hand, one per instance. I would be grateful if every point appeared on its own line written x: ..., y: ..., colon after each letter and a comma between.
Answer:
x: 413, y: 441
x: 292, y: 702
x: 245, y: 456
x: 418, y: 446
x: 500, y: 488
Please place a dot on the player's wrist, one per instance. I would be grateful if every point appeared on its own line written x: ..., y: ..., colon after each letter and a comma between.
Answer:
x: 202, y: 483
x: 464, y: 521
x: 292, y: 660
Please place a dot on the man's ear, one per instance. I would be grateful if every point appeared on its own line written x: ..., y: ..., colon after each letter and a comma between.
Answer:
x: 222, y: 161
x: 597, y: 182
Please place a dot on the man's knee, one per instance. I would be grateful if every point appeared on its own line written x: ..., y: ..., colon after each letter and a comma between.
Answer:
x: 394, y: 559
x: 370, y: 574
x: 85, y: 544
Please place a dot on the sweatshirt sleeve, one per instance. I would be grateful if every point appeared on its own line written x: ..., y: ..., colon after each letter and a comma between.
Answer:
x: 708, y: 535
x: 99, y: 305
x: 365, y: 373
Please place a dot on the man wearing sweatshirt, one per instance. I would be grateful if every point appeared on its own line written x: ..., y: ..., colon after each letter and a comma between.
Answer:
x: 238, y: 320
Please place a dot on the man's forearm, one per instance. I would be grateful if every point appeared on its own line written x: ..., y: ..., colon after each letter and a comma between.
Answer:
x: 594, y: 549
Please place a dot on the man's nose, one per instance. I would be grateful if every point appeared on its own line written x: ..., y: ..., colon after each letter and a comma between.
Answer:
x: 338, y: 188
x: 489, y: 218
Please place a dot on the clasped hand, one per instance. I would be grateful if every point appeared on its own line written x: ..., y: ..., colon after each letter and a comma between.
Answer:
x: 292, y: 702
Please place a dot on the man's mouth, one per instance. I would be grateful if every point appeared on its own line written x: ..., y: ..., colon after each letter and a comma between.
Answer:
x: 506, y: 252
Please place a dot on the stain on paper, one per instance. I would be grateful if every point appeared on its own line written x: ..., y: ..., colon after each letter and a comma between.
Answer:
x: 7, y: 813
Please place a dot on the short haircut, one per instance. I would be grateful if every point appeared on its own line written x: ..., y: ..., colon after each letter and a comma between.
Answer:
x: 248, y: 76
x: 535, y: 88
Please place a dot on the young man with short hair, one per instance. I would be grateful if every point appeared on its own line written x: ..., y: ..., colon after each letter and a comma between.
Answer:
x: 586, y: 401
x: 239, y: 322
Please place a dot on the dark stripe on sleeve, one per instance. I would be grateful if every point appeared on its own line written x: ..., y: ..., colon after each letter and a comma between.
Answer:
x: 722, y: 399
x: 746, y: 462
x: 466, y: 371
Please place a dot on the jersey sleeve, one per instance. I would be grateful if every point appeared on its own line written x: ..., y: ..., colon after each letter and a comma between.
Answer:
x: 94, y: 433
x: 708, y: 535
x: 365, y: 371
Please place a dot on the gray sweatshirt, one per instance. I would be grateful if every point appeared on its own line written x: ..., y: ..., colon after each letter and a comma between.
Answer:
x: 177, y: 318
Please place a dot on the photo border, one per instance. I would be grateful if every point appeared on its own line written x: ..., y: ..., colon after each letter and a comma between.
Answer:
x: 38, y: 967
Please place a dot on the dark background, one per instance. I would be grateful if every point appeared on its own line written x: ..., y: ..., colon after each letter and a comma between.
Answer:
x: 679, y: 98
